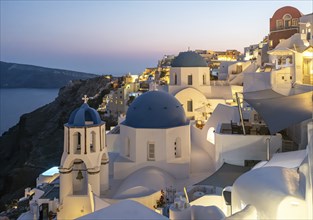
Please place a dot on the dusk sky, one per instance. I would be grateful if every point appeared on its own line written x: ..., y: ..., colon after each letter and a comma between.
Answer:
x: 117, y: 37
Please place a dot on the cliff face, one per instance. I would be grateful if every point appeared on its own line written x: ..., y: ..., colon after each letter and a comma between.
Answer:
x: 36, y: 142
x: 14, y: 75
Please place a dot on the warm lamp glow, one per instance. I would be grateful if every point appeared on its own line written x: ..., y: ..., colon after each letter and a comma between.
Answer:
x: 308, y: 54
x: 210, y: 135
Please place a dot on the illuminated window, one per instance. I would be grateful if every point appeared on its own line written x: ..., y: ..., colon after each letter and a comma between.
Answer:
x: 271, y: 43
x: 151, y: 153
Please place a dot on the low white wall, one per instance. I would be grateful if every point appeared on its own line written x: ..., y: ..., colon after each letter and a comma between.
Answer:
x: 235, y: 149
x: 211, y: 200
x: 78, y: 206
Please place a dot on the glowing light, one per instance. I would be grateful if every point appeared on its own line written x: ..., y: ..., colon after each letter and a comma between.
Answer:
x: 308, y: 54
x: 210, y: 135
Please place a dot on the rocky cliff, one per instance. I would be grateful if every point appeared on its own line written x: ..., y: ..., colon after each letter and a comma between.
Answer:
x: 14, y: 75
x: 36, y: 142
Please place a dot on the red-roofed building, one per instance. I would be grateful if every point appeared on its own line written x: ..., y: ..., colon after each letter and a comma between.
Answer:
x: 283, y: 24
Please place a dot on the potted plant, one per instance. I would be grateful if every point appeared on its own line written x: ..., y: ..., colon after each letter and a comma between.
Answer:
x: 160, y: 203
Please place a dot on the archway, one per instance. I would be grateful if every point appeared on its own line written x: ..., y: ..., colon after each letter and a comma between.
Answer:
x: 77, y: 142
x: 79, y: 178
x: 92, y: 141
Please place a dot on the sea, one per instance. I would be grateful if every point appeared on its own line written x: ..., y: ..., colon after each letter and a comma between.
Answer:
x: 16, y: 102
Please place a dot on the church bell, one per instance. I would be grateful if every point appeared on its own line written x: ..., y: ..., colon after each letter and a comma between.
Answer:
x: 79, y: 175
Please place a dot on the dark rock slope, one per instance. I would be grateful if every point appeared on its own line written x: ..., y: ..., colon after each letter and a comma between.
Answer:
x: 14, y: 75
x: 36, y: 142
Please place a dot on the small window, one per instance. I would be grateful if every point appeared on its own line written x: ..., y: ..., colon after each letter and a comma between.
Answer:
x: 290, y: 77
x: 294, y: 22
x: 151, y: 155
x: 189, y: 79
x: 175, y: 79
x: 127, y: 153
x: 282, y: 77
x: 92, y: 142
x: 204, y: 79
x: 189, y: 106
x: 279, y: 24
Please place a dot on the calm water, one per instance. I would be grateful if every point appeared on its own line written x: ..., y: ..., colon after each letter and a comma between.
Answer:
x: 16, y: 102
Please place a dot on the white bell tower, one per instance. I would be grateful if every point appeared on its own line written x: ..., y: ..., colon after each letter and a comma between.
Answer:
x: 84, y: 168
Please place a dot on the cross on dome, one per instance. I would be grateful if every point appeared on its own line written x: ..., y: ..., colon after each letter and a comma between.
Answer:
x: 85, y: 98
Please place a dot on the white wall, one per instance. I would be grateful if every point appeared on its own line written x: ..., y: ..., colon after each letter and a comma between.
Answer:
x: 198, y: 100
x: 235, y: 149
x: 256, y: 81
x: 163, y: 140
x: 196, y: 72
x: 77, y: 206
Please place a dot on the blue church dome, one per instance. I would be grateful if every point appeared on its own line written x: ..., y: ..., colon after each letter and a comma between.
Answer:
x: 155, y: 109
x: 189, y: 59
x: 84, y: 114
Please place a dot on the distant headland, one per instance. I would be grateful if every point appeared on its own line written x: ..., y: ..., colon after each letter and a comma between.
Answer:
x: 15, y: 75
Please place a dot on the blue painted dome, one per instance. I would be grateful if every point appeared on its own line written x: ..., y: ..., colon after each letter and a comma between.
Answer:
x: 189, y: 59
x: 155, y: 109
x: 84, y: 114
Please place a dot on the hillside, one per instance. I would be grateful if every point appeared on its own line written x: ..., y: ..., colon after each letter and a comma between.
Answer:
x: 36, y: 142
x: 14, y: 75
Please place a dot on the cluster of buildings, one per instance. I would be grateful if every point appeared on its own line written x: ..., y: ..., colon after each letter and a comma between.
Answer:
x: 217, y: 142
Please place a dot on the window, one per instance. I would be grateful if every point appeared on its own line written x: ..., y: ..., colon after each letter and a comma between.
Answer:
x: 92, y: 142
x: 279, y: 24
x: 189, y: 106
x: 151, y: 155
x: 204, y: 79
x: 175, y: 79
x: 239, y: 68
x: 177, y: 148
x: 189, y: 79
x: 294, y: 22
x: 77, y: 142
x: 127, y: 153
x: 287, y: 20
